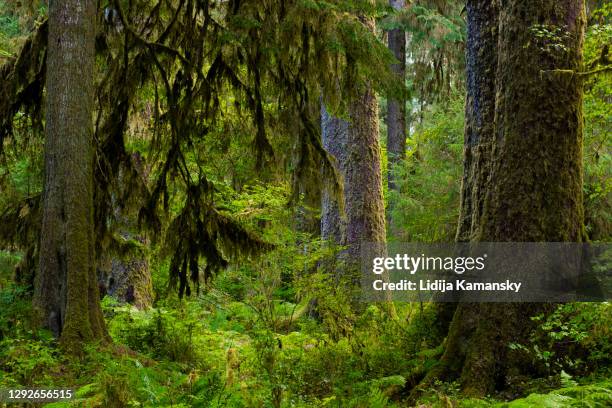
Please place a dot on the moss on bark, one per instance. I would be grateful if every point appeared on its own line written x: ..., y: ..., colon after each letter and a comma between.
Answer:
x: 526, y: 185
x: 66, y: 290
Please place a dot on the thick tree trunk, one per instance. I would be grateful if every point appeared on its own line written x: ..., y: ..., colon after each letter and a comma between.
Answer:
x: 481, y: 66
x: 334, y: 136
x: 534, y: 190
x: 66, y: 290
x: 356, y: 148
x: 396, y: 107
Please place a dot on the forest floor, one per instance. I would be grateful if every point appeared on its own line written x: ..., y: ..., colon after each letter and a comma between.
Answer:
x: 215, y: 351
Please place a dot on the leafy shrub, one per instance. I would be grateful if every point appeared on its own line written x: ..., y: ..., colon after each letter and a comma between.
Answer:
x: 159, y: 333
x: 27, y: 362
x: 15, y: 312
x: 575, y: 338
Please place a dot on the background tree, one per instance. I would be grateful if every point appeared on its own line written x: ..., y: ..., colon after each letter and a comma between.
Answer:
x: 334, y: 135
x: 365, y: 207
x: 396, y: 106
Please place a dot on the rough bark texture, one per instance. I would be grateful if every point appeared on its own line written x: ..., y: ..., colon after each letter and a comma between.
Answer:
x: 66, y: 290
x: 534, y: 190
x: 356, y: 147
x: 124, y: 274
x: 334, y: 135
x: 127, y: 281
x: 481, y: 65
x: 363, y: 190
x: 396, y: 108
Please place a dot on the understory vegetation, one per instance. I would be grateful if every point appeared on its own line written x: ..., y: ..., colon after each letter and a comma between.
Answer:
x: 242, y: 344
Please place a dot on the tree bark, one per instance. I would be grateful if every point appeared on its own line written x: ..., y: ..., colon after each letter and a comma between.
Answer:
x: 536, y: 188
x: 356, y: 148
x: 334, y: 135
x: 396, y: 107
x: 126, y: 280
x: 66, y: 290
x: 363, y: 190
x: 481, y: 66
x: 533, y: 156
x: 365, y: 209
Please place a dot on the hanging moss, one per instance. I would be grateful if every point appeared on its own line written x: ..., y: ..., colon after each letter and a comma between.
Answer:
x: 190, y: 54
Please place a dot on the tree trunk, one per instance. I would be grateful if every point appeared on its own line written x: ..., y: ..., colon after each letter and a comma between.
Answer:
x: 127, y: 280
x: 396, y: 107
x: 365, y: 208
x: 363, y: 190
x: 481, y: 65
x: 355, y: 146
x: 334, y: 135
x: 534, y: 191
x: 66, y: 290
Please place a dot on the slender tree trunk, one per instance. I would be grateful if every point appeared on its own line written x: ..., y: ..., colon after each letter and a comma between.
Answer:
x: 534, y: 188
x: 66, y: 290
x: 365, y: 208
x: 363, y: 189
x: 396, y: 107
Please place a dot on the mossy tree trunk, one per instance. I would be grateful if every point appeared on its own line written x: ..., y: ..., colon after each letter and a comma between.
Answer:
x: 365, y: 209
x: 127, y: 280
x: 355, y: 145
x: 481, y: 66
x: 66, y: 290
x: 396, y: 107
x: 363, y: 189
x: 536, y: 177
x: 533, y: 190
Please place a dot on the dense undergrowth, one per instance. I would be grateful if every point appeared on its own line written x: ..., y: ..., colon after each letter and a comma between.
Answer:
x: 239, y: 347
